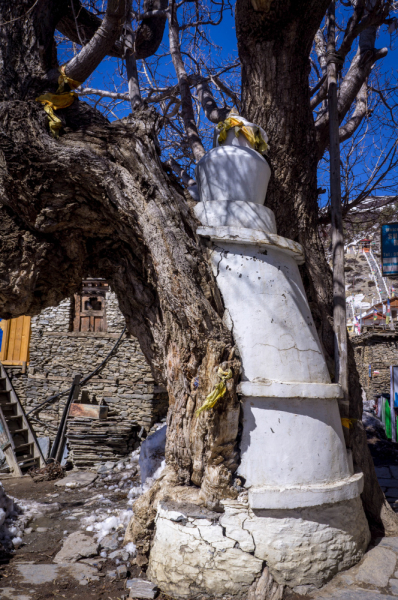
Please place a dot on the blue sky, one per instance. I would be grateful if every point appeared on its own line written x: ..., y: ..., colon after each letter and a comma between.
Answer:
x: 224, y: 37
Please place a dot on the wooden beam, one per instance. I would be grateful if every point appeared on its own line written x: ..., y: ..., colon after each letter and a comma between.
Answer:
x: 339, y: 302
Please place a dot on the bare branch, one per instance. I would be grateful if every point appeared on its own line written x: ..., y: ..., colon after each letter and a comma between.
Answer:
x: 360, y: 111
x: 150, y: 31
x: 185, y: 92
x: 213, y: 113
x: 224, y: 88
x: 90, y: 56
x: 80, y: 25
x: 178, y: 170
x: 357, y: 74
x: 131, y: 69
x: 320, y: 49
x: 102, y: 93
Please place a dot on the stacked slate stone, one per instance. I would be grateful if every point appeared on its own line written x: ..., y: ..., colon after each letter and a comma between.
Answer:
x: 92, y: 442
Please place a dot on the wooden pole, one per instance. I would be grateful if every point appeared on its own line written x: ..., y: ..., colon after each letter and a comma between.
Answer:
x: 59, y: 442
x: 339, y: 303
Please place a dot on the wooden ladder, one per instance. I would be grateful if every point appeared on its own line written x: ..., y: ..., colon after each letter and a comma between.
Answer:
x: 17, y: 438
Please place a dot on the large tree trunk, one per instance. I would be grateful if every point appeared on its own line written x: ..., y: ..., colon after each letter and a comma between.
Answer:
x: 274, y: 46
x: 98, y: 202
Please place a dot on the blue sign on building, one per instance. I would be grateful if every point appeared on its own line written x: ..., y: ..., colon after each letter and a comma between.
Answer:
x: 1, y: 336
x: 389, y: 249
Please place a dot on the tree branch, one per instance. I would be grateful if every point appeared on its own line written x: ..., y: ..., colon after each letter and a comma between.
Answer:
x: 357, y: 74
x: 213, y: 113
x: 90, y: 56
x: 180, y: 172
x: 148, y: 35
x: 183, y: 84
x: 131, y: 69
x: 361, y: 108
x: 227, y: 91
x: 80, y: 25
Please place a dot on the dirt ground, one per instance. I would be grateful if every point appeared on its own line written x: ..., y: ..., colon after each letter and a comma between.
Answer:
x: 46, y: 540
x: 66, y: 509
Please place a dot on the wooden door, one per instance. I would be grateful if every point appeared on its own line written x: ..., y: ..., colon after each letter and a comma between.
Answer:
x: 15, y: 340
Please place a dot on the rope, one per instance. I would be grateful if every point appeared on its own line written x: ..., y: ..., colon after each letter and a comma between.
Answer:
x: 84, y: 381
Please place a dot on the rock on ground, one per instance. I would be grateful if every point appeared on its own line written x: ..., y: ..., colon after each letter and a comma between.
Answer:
x: 378, y: 567
x: 139, y: 588
x: 77, y: 479
x: 77, y: 545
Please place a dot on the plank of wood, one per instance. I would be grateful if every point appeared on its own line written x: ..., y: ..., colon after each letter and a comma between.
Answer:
x: 5, y: 326
x: 16, y: 354
x: 8, y: 447
x: 88, y: 410
x: 24, y: 354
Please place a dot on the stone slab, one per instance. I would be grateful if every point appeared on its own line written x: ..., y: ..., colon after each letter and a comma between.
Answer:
x: 77, y: 545
x: 387, y: 482
x: 383, y: 472
x: 280, y: 389
x: 46, y: 573
x: 139, y: 588
x: 79, y: 478
x: 12, y: 594
x: 394, y: 586
x: 392, y: 492
x: 355, y: 594
x: 388, y: 542
x: 377, y: 567
x: 394, y: 471
x: 301, y: 496
x: 37, y: 574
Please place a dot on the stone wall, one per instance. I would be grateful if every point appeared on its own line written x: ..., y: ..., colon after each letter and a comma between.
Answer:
x: 380, y: 350
x: 125, y: 383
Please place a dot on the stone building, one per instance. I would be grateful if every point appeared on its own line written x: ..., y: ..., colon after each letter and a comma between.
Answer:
x: 374, y: 353
x: 76, y: 337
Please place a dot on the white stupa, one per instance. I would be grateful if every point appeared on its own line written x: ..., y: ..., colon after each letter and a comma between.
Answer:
x: 302, y: 511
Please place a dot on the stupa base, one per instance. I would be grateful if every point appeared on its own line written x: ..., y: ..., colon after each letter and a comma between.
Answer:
x: 199, y: 554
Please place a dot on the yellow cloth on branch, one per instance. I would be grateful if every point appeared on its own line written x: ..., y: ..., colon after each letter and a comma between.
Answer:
x: 348, y: 423
x: 60, y: 99
x: 217, y: 393
x: 252, y: 134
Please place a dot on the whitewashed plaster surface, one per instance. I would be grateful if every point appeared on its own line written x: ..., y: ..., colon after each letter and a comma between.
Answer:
x: 221, y: 557
x: 232, y: 173
x: 192, y: 558
x: 269, y: 314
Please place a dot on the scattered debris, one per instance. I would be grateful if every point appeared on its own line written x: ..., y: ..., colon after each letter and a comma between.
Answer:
x: 48, y: 473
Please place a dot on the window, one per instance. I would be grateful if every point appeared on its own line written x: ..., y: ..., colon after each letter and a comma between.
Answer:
x: 89, y: 306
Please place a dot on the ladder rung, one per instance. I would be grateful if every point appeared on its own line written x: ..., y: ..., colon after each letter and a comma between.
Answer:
x: 21, y: 446
x: 28, y: 461
x: 27, y: 453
